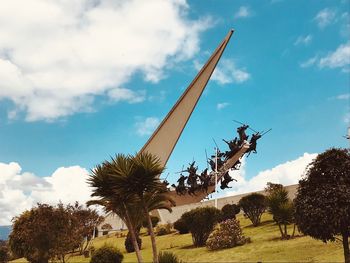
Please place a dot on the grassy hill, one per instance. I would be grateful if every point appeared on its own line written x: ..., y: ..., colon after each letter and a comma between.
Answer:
x: 265, y: 246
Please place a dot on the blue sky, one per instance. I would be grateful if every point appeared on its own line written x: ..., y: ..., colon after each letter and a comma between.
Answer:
x: 80, y: 85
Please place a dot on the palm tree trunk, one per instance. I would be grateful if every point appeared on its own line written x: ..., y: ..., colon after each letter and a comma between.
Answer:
x: 294, y: 230
x: 280, y: 228
x: 345, y: 237
x: 285, y: 231
x: 133, y: 235
x: 150, y: 229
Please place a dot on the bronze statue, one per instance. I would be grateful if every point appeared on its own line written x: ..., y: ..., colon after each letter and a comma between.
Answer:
x: 227, y: 179
x: 252, y: 142
x: 241, y: 132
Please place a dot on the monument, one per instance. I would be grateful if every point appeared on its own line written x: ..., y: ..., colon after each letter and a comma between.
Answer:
x: 162, y: 142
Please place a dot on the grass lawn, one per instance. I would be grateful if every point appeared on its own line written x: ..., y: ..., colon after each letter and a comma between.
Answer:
x: 265, y: 246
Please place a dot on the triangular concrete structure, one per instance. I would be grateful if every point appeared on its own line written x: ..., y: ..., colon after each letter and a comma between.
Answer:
x: 165, y: 137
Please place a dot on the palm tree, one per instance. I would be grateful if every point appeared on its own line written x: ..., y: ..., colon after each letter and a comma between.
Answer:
x: 145, y: 178
x: 128, y: 183
x: 102, y: 180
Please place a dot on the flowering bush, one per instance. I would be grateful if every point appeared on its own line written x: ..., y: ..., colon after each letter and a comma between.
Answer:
x: 227, y: 234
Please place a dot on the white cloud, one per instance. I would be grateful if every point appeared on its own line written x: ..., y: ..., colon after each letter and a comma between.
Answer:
x: 338, y: 58
x: 57, y: 56
x: 147, y: 126
x: 309, y: 62
x: 287, y: 173
x: 325, y: 17
x: 222, y: 105
x: 303, y: 40
x: 21, y: 190
x: 122, y: 94
x: 243, y: 11
x: 345, y: 96
x: 227, y: 72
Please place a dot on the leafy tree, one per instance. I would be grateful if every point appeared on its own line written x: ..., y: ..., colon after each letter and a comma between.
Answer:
x: 322, y: 203
x: 201, y: 222
x: 4, y: 252
x: 87, y: 220
x: 253, y: 206
x: 42, y: 233
x: 230, y: 211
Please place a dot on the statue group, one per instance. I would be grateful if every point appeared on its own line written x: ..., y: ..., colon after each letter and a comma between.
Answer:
x: 194, y: 182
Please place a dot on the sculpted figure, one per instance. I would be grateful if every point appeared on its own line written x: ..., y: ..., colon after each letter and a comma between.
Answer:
x: 226, y: 180
x: 253, y: 140
x: 241, y: 132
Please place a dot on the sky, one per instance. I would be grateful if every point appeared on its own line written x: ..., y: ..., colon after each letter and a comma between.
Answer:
x: 83, y: 80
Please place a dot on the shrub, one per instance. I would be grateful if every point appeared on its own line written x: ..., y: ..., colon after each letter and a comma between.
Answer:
x: 168, y: 257
x: 228, y: 234
x: 161, y: 231
x: 154, y: 219
x: 181, y: 226
x: 229, y: 211
x: 107, y: 254
x: 129, y: 247
x: 253, y: 206
x: 201, y: 222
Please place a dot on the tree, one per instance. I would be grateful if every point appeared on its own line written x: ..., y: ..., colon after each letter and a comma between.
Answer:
x: 4, y: 252
x: 129, y: 184
x: 322, y: 204
x: 201, y: 222
x: 87, y: 220
x: 281, y: 208
x: 142, y: 179
x: 42, y: 233
x: 253, y: 206
x: 103, y: 181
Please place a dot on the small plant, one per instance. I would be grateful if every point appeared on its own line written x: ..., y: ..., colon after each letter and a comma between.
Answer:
x: 181, y: 226
x: 162, y: 230
x: 129, y: 247
x: 154, y: 219
x: 201, y: 222
x: 107, y: 254
x: 168, y: 257
x: 229, y: 211
x: 228, y: 234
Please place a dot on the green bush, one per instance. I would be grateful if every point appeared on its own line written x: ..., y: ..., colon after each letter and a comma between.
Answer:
x: 162, y: 230
x: 253, y: 206
x: 154, y: 219
x: 107, y: 254
x: 201, y: 222
x: 181, y: 226
x: 129, y: 247
x: 227, y: 234
x: 168, y: 257
x: 229, y: 211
